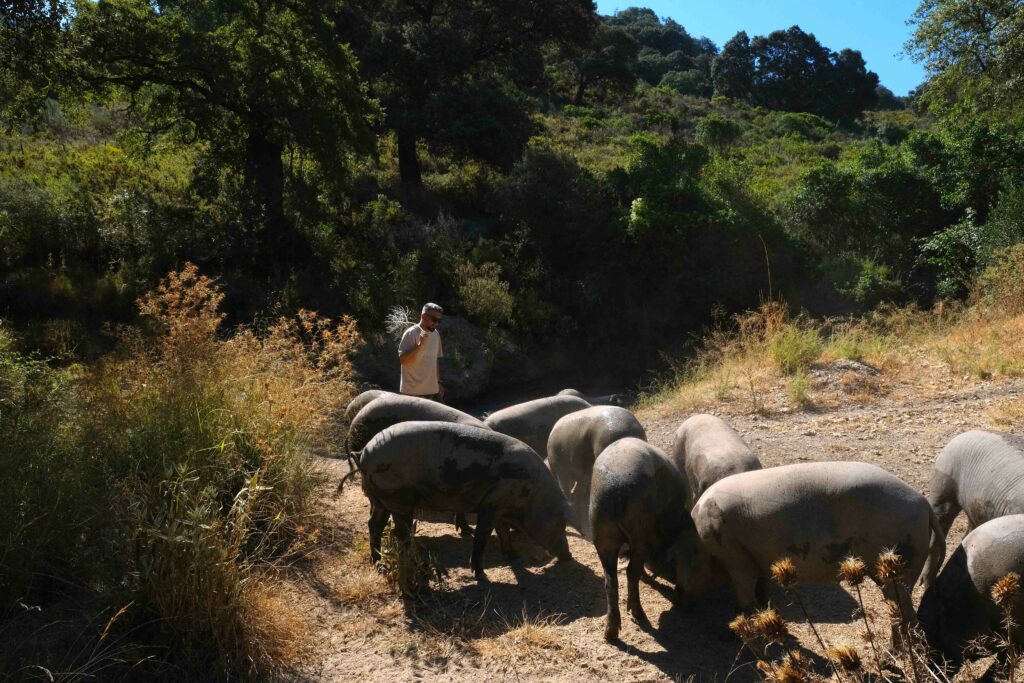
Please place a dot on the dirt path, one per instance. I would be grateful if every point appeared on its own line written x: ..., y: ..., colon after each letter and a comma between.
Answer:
x: 544, y: 621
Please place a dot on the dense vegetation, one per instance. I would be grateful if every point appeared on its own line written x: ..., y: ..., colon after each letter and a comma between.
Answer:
x: 605, y: 185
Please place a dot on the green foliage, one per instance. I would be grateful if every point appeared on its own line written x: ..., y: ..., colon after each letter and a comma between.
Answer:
x: 39, y: 478
x: 668, y: 56
x: 32, y: 48
x: 871, y: 284
x: 664, y: 183
x: 954, y: 253
x: 484, y: 295
x: 717, y: 132
x: 790, y: 70
x: 426, y: 63
x: 250, y: 79
x: 973, y: 52
x: 794, y: 348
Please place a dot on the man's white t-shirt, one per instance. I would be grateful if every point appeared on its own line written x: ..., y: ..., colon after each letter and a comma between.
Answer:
x: 419, y: 378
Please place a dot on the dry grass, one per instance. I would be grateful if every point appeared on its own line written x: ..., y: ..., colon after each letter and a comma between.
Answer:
x: 357, y: 584
x: 273, y: 625
x: 1007, y: 415
x: 523, y: 639
x: 193, y: 478
x: 759, y: 360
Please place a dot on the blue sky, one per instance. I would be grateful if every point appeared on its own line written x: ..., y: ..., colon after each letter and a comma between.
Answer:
x: 875, y: 27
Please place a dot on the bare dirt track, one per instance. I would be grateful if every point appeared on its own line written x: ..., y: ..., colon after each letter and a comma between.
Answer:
x: 541, y: 620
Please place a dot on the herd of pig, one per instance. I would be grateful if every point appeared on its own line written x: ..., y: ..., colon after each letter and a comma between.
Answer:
x: 704, y: 515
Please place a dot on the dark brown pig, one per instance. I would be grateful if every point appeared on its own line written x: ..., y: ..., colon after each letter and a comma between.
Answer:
x: 959, y: 607
x: 390, y: 409
x: 638, y: 497
x: 532, y: 422
x: 450, y: 467
x: 575, y: 442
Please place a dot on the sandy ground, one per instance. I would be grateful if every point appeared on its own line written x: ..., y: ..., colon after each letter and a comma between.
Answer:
x: 541, y: 620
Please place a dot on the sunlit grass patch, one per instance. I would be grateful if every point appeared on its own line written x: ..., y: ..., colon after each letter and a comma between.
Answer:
x: 1007, y: 415
x: 524, y: 638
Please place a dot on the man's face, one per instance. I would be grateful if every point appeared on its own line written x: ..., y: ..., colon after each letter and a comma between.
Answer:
x: 430, y: 320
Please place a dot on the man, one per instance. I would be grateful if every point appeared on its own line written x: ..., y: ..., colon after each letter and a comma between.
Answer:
x: 419, y: 353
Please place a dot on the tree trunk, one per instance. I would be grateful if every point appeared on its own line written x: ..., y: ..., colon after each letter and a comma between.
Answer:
x: 408, y: 164
x: 581, y: 86
x: 279, y: 244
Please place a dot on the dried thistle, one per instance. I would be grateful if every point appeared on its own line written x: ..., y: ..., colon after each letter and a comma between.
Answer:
x: 784, y: 573
x: 792, y: 668
x: 851, y: 570
x: 743, y: 628
x: 890, y: 566
x: 845, y: 657
x: 770, y: 625
x: 1005, y: 590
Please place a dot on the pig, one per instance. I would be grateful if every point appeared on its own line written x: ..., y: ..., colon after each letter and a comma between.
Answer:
x: 637, y: 499
x: 390, y: 409
x: 360, y: 401
x: 575, y: 442
x: 602, y: 400
x: 449, y: 467
x: 959, y: 607
x: 707, y: 449
x: 531, y: 422
x: 980, y: 472
x: 817, y: 514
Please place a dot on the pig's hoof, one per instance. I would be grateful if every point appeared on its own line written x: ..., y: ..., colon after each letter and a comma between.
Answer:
x: 465, y: 531
x: 481, y: 578
x: 611, y: 633
x: 638, y: 616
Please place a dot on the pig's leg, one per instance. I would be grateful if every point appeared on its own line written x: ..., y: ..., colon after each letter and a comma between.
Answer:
x: 378, y: 520
x: 633, y: 573
x: 505, y: 539
x: 613, y: 618
x: 484, y: 526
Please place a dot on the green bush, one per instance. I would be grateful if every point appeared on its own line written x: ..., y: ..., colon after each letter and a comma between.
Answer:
x: 40, y: 477
x: 1002, y: 283
x: 794, y: 348
x: 484, y: 295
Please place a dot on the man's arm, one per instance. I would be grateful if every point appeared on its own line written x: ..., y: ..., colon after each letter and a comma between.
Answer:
x: 407, y: 356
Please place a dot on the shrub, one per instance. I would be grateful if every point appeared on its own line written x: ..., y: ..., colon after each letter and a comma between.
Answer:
x: 484, y: 295
x: 38, y: 479
x: 795, y: 348
x: 717, y: 132
x: 1001, y: 285
x: 188, y: 458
